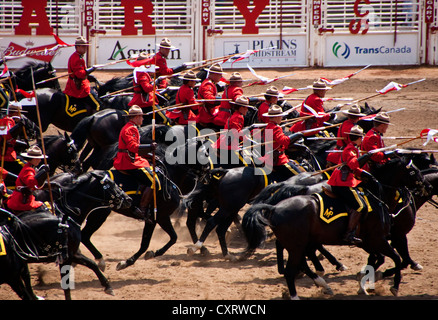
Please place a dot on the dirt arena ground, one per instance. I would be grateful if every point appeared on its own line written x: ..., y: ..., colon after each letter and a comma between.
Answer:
x: 177, y: 276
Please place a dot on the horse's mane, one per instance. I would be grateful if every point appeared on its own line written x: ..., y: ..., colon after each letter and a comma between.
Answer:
x: 26, y: 68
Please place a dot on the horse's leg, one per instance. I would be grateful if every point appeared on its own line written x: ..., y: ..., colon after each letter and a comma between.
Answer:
x: 94, y: 221
x: 311, y: 254
x: 292, y: 269
x: 166, y: 225
x: 221, y: 231
x: 212, y: 222
x: 387, y: 250
x: 148, y: 230
x: 19, y: 288
x: 331, y: 258
x: 320, y: 282
x: 79, y: 258
x: 25, y: 276
x: 400, y: 243
x: 280, y: 257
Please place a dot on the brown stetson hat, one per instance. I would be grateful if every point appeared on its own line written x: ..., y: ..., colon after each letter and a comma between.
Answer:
x: 354, y: 111
x: 134, y: 111
x: 216, y: 68
x: 34, y: 152
x: 319, y: 85
x: 356, y: 131
x: 236, y: 76
x: 382, y: 117
x: 81, y: 41
x: 189, y: 75
x: 272, y: 91
x: 275, y: 111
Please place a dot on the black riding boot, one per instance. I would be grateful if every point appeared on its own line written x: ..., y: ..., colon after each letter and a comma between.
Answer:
x: 349, y: 236
x: 145, y: 201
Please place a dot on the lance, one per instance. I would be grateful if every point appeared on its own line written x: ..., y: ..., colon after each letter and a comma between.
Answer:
x: 95, y: 67
x: 154, y: 184
x: 118, y: 91
x: 175, y: 106
x: 43, y: 148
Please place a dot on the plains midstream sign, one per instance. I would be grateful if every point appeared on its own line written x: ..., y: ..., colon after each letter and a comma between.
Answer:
x: 347, y: 50
x: 290, y: 50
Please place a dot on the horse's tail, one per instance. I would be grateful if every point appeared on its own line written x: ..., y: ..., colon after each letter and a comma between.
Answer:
x: 266, y: 194
x: 80, y: 132
x: 254, y: 224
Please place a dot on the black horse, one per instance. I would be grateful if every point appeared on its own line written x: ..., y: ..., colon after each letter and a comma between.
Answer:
x: 22, y: 77
x: 298, y: 227
x: 405, y: 215
x: 61, y: 153
x: 174, y: 179
x: 39, y: 236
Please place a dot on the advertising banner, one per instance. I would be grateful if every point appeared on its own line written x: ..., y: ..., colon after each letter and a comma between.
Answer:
x: 377, y: 49
x: 270, y: 50
x: 117, y: 48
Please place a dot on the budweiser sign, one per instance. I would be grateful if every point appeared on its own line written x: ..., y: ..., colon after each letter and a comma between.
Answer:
x: 43, y: 53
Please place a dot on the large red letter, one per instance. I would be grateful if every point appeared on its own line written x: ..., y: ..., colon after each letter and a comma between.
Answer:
x: 40, y: 17
x: 250, y: 17
x: 130, y: 16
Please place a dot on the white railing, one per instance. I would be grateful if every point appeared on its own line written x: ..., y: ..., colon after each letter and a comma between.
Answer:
x: 383, y: 15
x: 66, y: 19
x: 289, y: 15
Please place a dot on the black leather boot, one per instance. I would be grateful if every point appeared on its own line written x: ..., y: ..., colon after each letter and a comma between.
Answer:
x: 349, y: 236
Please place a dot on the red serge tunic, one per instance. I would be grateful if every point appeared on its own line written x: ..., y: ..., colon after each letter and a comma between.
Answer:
x: 316, y: 103
x: 10, y: 154
x: 349, y: 156
x: 163, y: 70
x: 263, y: 108
x: 186, y: 96
x: 343, y: 132
x: 235, y: 123
x: 129, y: 140
x: 281, y: 142
x: 208, y: 111
x: 225, y: 111
x: 143, y: 88
x: 76, y: 66
x: 373, y: 140
x: 26, y: 177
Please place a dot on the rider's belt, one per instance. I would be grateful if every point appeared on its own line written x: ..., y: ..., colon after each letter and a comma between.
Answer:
x: 130, y: 154
x: 225, y: 109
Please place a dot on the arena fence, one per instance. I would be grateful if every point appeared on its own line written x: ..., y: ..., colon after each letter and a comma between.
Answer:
x: 283, y: 33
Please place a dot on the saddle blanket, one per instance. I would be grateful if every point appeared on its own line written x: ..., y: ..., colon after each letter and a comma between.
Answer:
x: 129, y: 185
x: 2, y: 246
x: 331, y: 208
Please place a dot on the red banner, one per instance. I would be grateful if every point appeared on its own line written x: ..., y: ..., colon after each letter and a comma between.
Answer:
x: 89, y: 13
x: 16, y: 50
x: 205, y: 20
x: 316, y: 12
x: 429, y: 11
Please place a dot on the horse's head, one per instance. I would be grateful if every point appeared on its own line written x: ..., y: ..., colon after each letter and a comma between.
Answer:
x: 112, y: 195
x: 63, y: 153
x: 402, y: 172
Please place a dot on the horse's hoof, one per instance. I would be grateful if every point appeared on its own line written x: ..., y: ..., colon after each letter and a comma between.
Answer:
x: 191, y: 250
x: 417, y: 267
x: 101, y: 264
x: 110, y: 291
x: 362, y: 291
x: 320, y: 273
x: 295, y: 297
x: 149, y: 255
x: 230, y: 257
x: 327, y: 291
x: 40, y: 298
x: 394, y: 291
x: 121, y: 265
x: 204, y: 251
x: 342, y: 268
